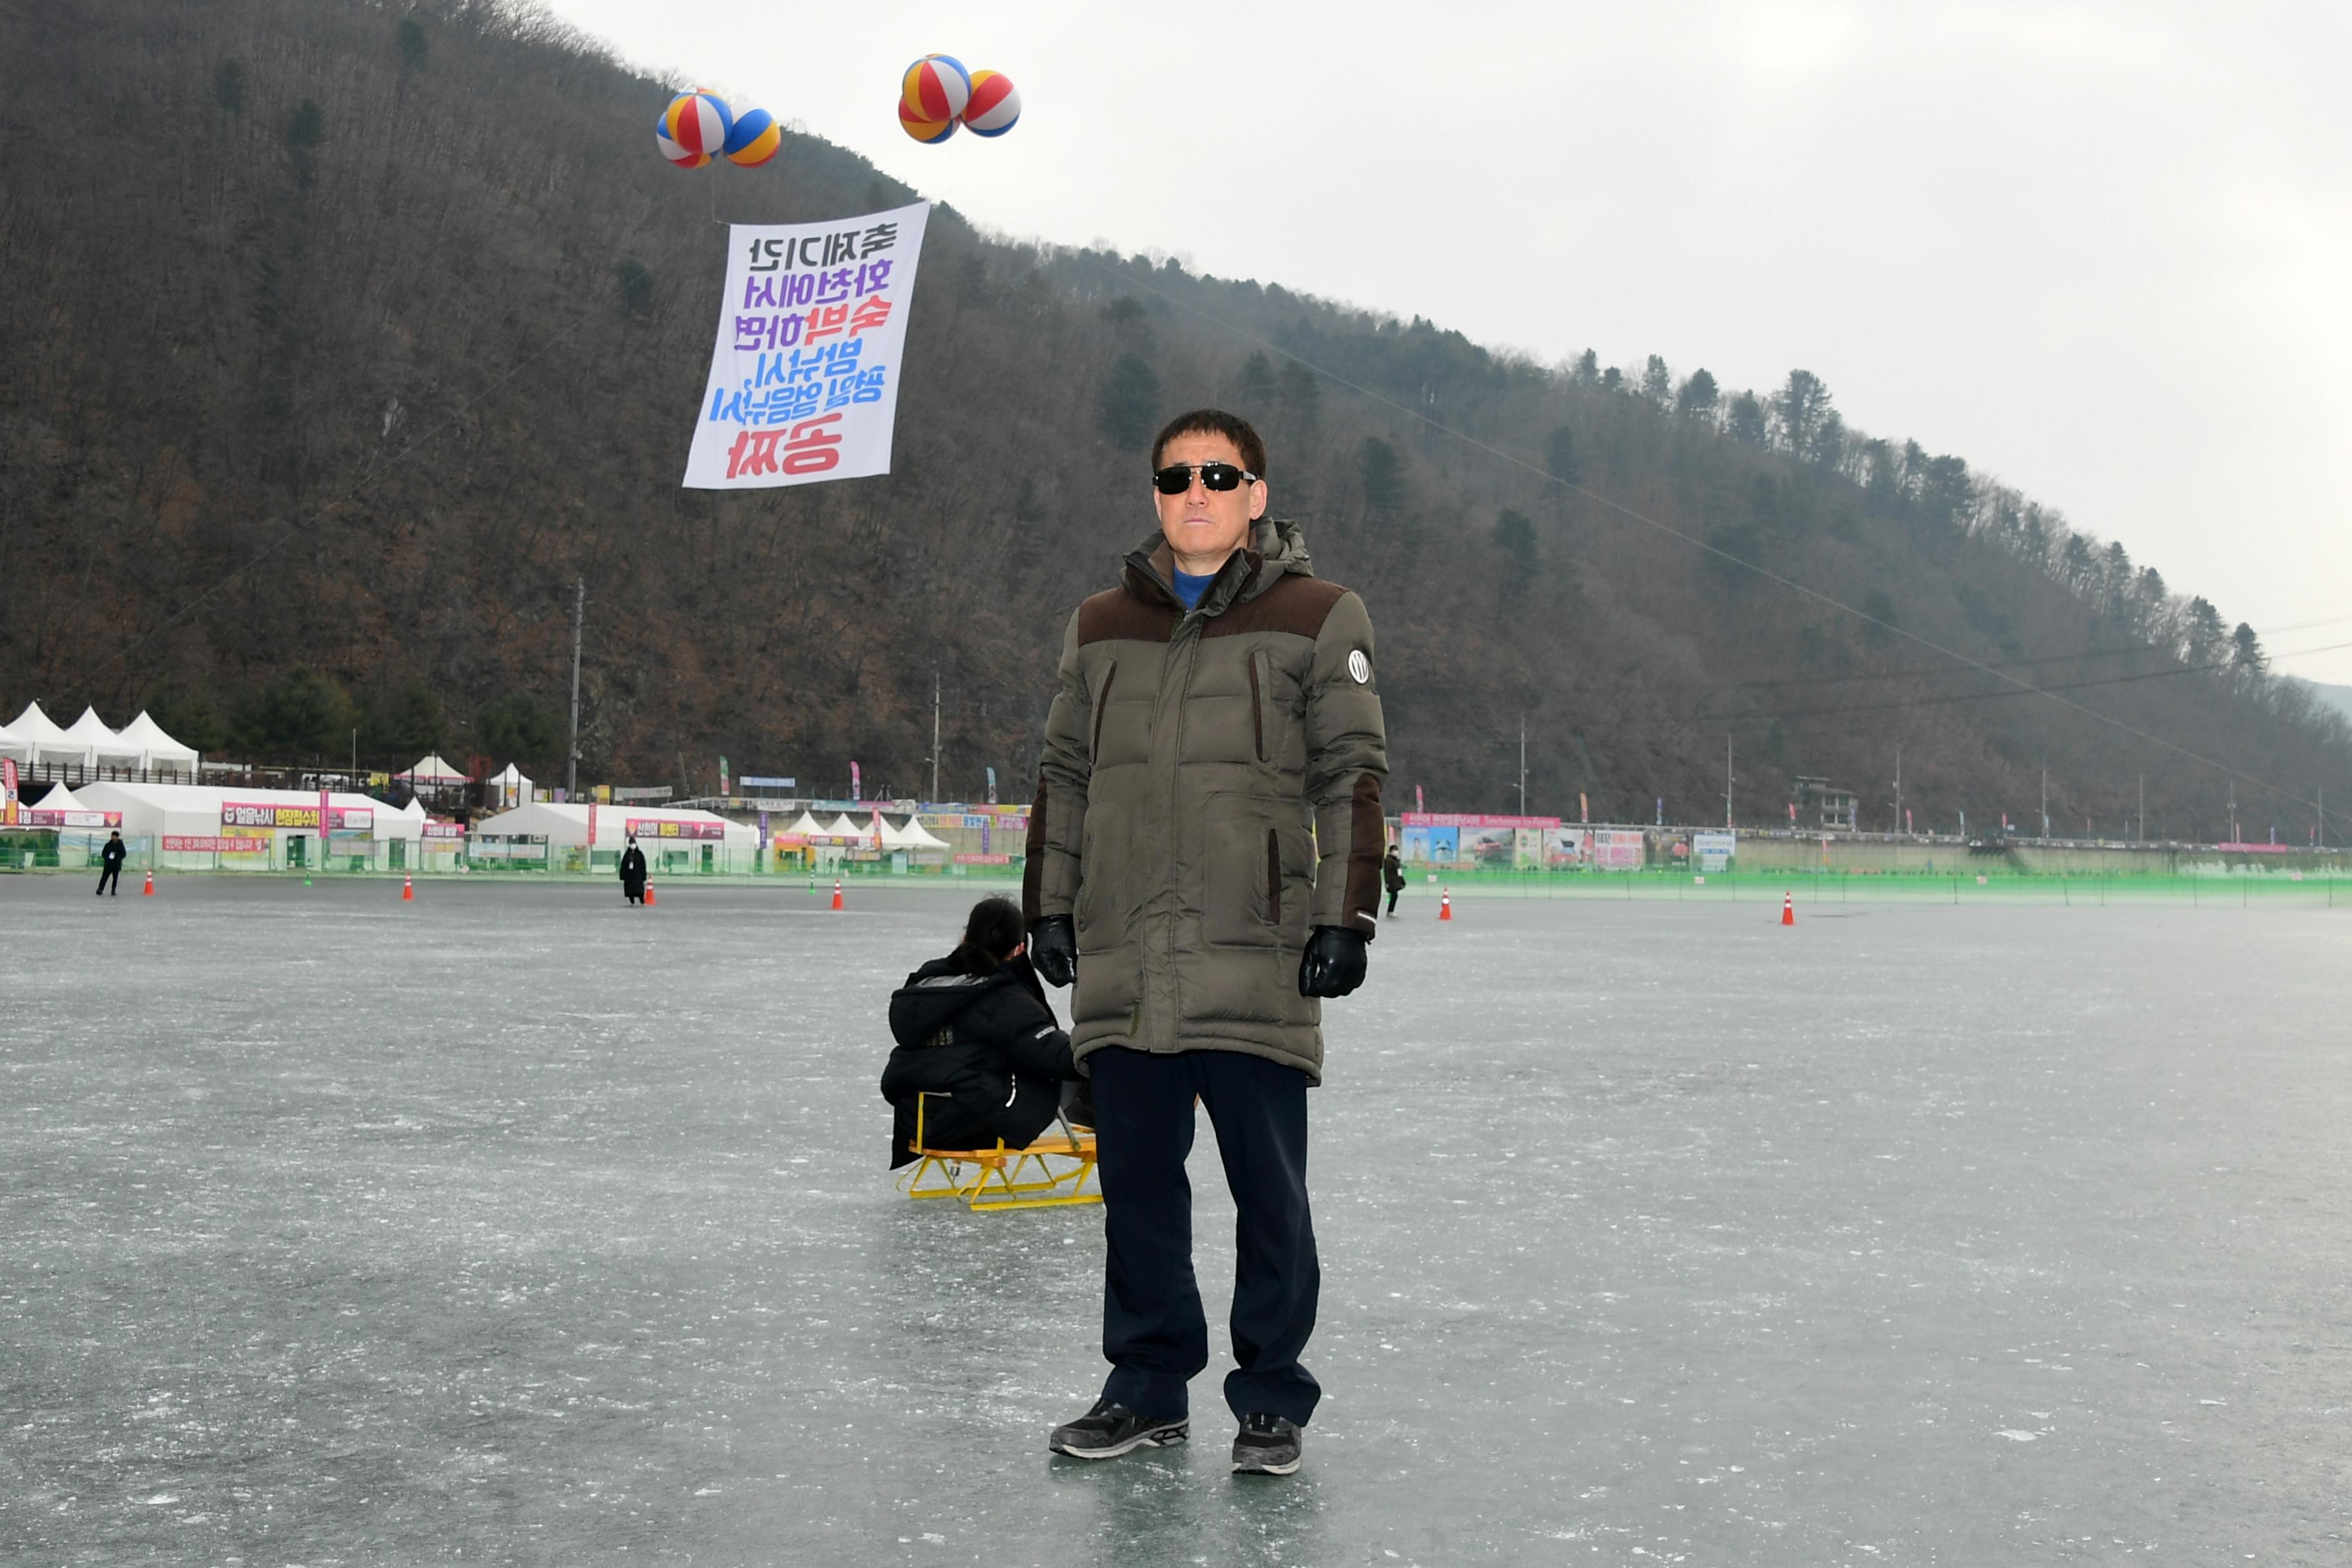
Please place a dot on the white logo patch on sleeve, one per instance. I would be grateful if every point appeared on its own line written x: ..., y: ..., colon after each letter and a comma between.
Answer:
x: 1361, y: 668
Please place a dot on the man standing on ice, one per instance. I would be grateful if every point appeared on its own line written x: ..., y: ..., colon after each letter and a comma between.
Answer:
x: 1215, y: 709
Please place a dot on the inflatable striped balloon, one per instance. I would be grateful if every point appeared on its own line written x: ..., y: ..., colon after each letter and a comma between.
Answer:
x: 935, y: 87
x: 755, y: 138
x: 673, y: 152
x: 698, y: 122
x: 996, y: 104
x: 924, y: 129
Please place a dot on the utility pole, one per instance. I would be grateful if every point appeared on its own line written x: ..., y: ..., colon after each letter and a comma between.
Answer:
x: 1898, y: 788
x: 2233, y: 811
x: 1727, y: 783
x: 1523, y: 764
x: 2045, y: 800
x: 572, y: 752
x: 2143, y: 808
x: 935, y: 734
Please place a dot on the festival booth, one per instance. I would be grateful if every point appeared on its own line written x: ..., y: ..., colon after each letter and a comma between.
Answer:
x: 432, y: 771
x: 156, y: 751
x: 202, y: 827
x: 101, y: 747
x: 799, y: 844
x: 58, y: 828
x: 512, y: 789
x: 546, y: 836
x: 911, y: 845
x: 46, y: 745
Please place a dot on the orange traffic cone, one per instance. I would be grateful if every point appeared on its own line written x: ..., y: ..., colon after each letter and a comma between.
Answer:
x: 149, y: 890
x: 836, y: 892
x: 1788, y: 908
x: 408, y: 890
x: 650, y: 900
x: 1445, y: 904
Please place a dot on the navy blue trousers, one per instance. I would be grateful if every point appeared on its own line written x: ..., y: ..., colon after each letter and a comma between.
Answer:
x: 1154, y: 1333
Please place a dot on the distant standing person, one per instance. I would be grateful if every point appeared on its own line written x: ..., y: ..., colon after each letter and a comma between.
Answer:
x: 1204, y: 862
x: 109, y: 863
x: 633, y: 872
x: 1392, y: 875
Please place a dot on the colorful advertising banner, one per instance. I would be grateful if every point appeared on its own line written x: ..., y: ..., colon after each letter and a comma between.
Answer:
x: 1713, y: 850
x: 8, y: 791
x: 1459, y: 820
x: 812, y: 337
x: 1617, y: 848
x: 655, y: 828
x: 1430, y: 846
x: 174, y: 843
x: 983, y: 860
x: 339, y: 818
x: 451, y: 833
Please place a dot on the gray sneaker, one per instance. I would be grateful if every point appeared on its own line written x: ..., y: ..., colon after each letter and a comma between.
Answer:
x: 1266, y: 1446
x: 1110, y: 1429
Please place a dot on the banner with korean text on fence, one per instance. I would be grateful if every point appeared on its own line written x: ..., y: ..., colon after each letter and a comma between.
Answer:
x: 811, y: 333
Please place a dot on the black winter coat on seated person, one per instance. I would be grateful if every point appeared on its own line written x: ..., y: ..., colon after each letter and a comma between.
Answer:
x: 987, y: 1042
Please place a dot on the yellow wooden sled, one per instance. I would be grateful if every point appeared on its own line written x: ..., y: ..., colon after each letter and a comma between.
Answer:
x: 1051, y: 1173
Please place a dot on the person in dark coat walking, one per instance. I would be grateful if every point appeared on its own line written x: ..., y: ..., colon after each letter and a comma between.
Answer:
x: 109, y: 863
x: 633, y: 872
x: 974, y: 1031
x: 1392, y: 875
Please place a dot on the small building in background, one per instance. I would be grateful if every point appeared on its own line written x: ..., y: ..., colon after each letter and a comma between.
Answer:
x: 1825, y: 808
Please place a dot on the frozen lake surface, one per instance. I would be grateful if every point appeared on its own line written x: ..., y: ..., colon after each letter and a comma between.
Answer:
x: 514, y: 1226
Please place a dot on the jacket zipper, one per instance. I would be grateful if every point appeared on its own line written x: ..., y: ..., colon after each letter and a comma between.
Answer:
x: 1102, y: 706
x: 1273, y: 874
x: 1257, y: 709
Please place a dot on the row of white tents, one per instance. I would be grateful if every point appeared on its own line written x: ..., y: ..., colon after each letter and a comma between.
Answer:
x: 32, y: 737
x: 878, y: 832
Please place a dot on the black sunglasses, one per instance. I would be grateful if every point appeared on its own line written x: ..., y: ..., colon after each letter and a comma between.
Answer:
x: 1177, y: 477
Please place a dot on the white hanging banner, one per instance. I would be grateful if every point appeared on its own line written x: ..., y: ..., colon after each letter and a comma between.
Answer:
x: 812, y: 332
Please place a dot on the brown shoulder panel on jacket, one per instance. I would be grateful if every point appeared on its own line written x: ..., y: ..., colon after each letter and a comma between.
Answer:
x: 1115, y: 616
x: 1296, y: 604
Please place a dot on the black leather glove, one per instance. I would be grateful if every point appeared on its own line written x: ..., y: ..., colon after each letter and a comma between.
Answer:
x: 1333, y: 964
x: 1054, y: 949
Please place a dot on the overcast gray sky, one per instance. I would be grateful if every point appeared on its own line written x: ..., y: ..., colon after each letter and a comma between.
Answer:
x: 2103, y: 251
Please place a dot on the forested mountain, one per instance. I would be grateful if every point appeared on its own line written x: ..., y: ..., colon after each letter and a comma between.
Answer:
x: 340, y: 338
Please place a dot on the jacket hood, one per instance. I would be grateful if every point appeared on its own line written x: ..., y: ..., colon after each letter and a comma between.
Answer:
x: 1276, y: 548
x: 936, y: 993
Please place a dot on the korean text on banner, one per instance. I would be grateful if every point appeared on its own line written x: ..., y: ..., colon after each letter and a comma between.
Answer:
x: 812, y: 337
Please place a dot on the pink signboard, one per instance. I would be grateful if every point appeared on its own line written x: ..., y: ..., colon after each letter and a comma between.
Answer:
x: 1458, y: 819
x: 658, y: 827
x: 180, y: 843
x: 983, y: 860
x: 446, y: 831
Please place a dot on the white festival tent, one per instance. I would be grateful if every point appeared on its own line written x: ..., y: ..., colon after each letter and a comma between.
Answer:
x: 914, y: 836
x: 14, y: 745
x: 430, y: 769
x: 513, y: 788
x: 101, y: 746
x: 194, y: 811
x: 805, y: 827
x: 38, y: 731
x: 158, y: 752
x: 844, y: 827
x: 565, y: 826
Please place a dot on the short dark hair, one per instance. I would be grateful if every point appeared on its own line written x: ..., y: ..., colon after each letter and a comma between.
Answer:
x: 993, y: 929
x: 1216, y: 422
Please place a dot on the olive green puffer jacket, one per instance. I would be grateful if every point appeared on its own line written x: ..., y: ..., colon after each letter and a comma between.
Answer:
x: 1210, y: 793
